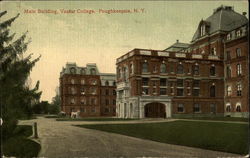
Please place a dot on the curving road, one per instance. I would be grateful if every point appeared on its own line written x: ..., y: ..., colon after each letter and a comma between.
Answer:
x: 59, y: 139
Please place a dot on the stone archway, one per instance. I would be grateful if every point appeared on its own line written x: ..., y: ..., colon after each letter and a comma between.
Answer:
x: 155, y: 110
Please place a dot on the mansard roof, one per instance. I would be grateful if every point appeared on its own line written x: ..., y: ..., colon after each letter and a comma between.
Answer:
x: 224, y: 18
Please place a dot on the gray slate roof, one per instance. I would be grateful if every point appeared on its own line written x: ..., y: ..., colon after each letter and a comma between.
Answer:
x: 177, y: 46
x: 224, y: 18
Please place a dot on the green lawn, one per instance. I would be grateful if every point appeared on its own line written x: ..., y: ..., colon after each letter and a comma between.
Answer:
x: 19, y: 145
x: 237, y: 119
x: 94, y: 119
x: 225, y: 137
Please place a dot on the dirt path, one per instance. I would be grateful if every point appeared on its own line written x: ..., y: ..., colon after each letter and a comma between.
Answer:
x: 59, y: 139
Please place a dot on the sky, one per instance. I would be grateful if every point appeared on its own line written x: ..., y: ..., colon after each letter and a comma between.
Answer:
x: 100, y: 37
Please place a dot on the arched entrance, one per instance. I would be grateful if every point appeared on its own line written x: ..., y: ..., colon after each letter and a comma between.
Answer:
x: 155, y: 110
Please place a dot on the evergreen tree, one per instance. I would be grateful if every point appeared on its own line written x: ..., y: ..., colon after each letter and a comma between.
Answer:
x: 16, y: 98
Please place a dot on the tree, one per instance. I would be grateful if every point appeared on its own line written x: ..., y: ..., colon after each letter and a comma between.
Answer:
x: 55, y: 105
x: 16, y: 98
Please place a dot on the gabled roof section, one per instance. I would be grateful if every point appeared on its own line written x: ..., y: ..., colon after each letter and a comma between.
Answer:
x: 224, y: 18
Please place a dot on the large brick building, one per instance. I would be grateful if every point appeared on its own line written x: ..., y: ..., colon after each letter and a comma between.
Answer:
x: 206, y: 77
x: 87, y: 90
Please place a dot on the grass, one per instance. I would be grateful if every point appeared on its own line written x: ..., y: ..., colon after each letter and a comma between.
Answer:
x: 237, y: 119
x: 95, y: 119
x: 19, y: 145
x: 218, y: 136
x: 52, y: 116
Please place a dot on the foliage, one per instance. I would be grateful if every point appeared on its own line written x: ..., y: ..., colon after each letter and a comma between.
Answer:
x: 41, y: 108
x: 16, y: 98
x: 55, y: 105
x: 227, y: 137
x: 19, y: 145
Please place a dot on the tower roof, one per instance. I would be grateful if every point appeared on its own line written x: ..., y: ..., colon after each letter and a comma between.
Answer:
x: 224, y: 18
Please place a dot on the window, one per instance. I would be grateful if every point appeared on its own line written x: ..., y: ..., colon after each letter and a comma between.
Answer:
x: 228, y: 55
x: 239, y: 71
x: 196, y: 88
x: 228, y: 108
x: 196, y: 70
x: 82, y: 91
x: 82, y: 71
x: 93, y: 110
x: 163, y: 68
x: 180, y: 69
x: 238, y: 52
x: 125, y: 73
x: 229, y: 90
x: 106, y: 92
x: 196, y: 107
x: 92, y: 71
x: 155, y: 69
x: 163, y: 82
x: 114, y: 102
x: 238, y: 107
x: 179, y: 82
x: 106, y: 110
x: 212, y: 91
x: 72, y: 81
x: 82, y: 110
x: 107, y: 102
x: 93, y: 101
x: 180, y: 108
x: 145, y: 67
x: 93, y: 82
x: 212, y: 70
x: 203, y: 30
x: 163, y: 91
x: 213, y: 51
x: 172, y: 68
x: 72, y: 101
x: 229, y: 72
x: 238, y: 33
x: 196, y: 83
x: 145, y: 91
x: 114, y: 92
x: 154, y: 91
x: 114, y: 83
x: 93, y: 90
x: 180, y: 91
x: 239, y: 89
x: 229, y: 36
x: 82, y: 101
x: 196, y: 92
x: 82, y: 81
x: 107, y: 83
x: 145, y: 81
x: 118, y: 73
x: 72, y: 90
x: 72, y: 70
x: 131, y: 68
x: 213, y: 108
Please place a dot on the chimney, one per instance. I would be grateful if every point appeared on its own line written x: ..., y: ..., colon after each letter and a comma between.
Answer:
x: 244, y: 13
x: 177, y: 41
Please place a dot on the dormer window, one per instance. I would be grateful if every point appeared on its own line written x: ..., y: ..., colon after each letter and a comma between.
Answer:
x: 229, y: 36
x: 203, y: 29
x: 238, y: 33
x: 72, y: 70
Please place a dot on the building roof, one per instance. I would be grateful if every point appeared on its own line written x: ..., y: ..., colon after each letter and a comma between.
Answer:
x: 178, y: 46
x: 224, y: 18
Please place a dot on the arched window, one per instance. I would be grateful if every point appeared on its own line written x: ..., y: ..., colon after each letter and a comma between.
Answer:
x: 238, y: 107
x: 145, y: 67
x: 72, y: 101
x: 163, y: 68
x: 228, y: 107
x: 107, y: 83
x: 114, y: 83
x: 92, y: 71
x: 180, y: 69
x: 212, y: 91
x: 72, y: 81
x: 212, y: 70
x: 73, y: 91
x: 82, y: 81
x: 131, y: 68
